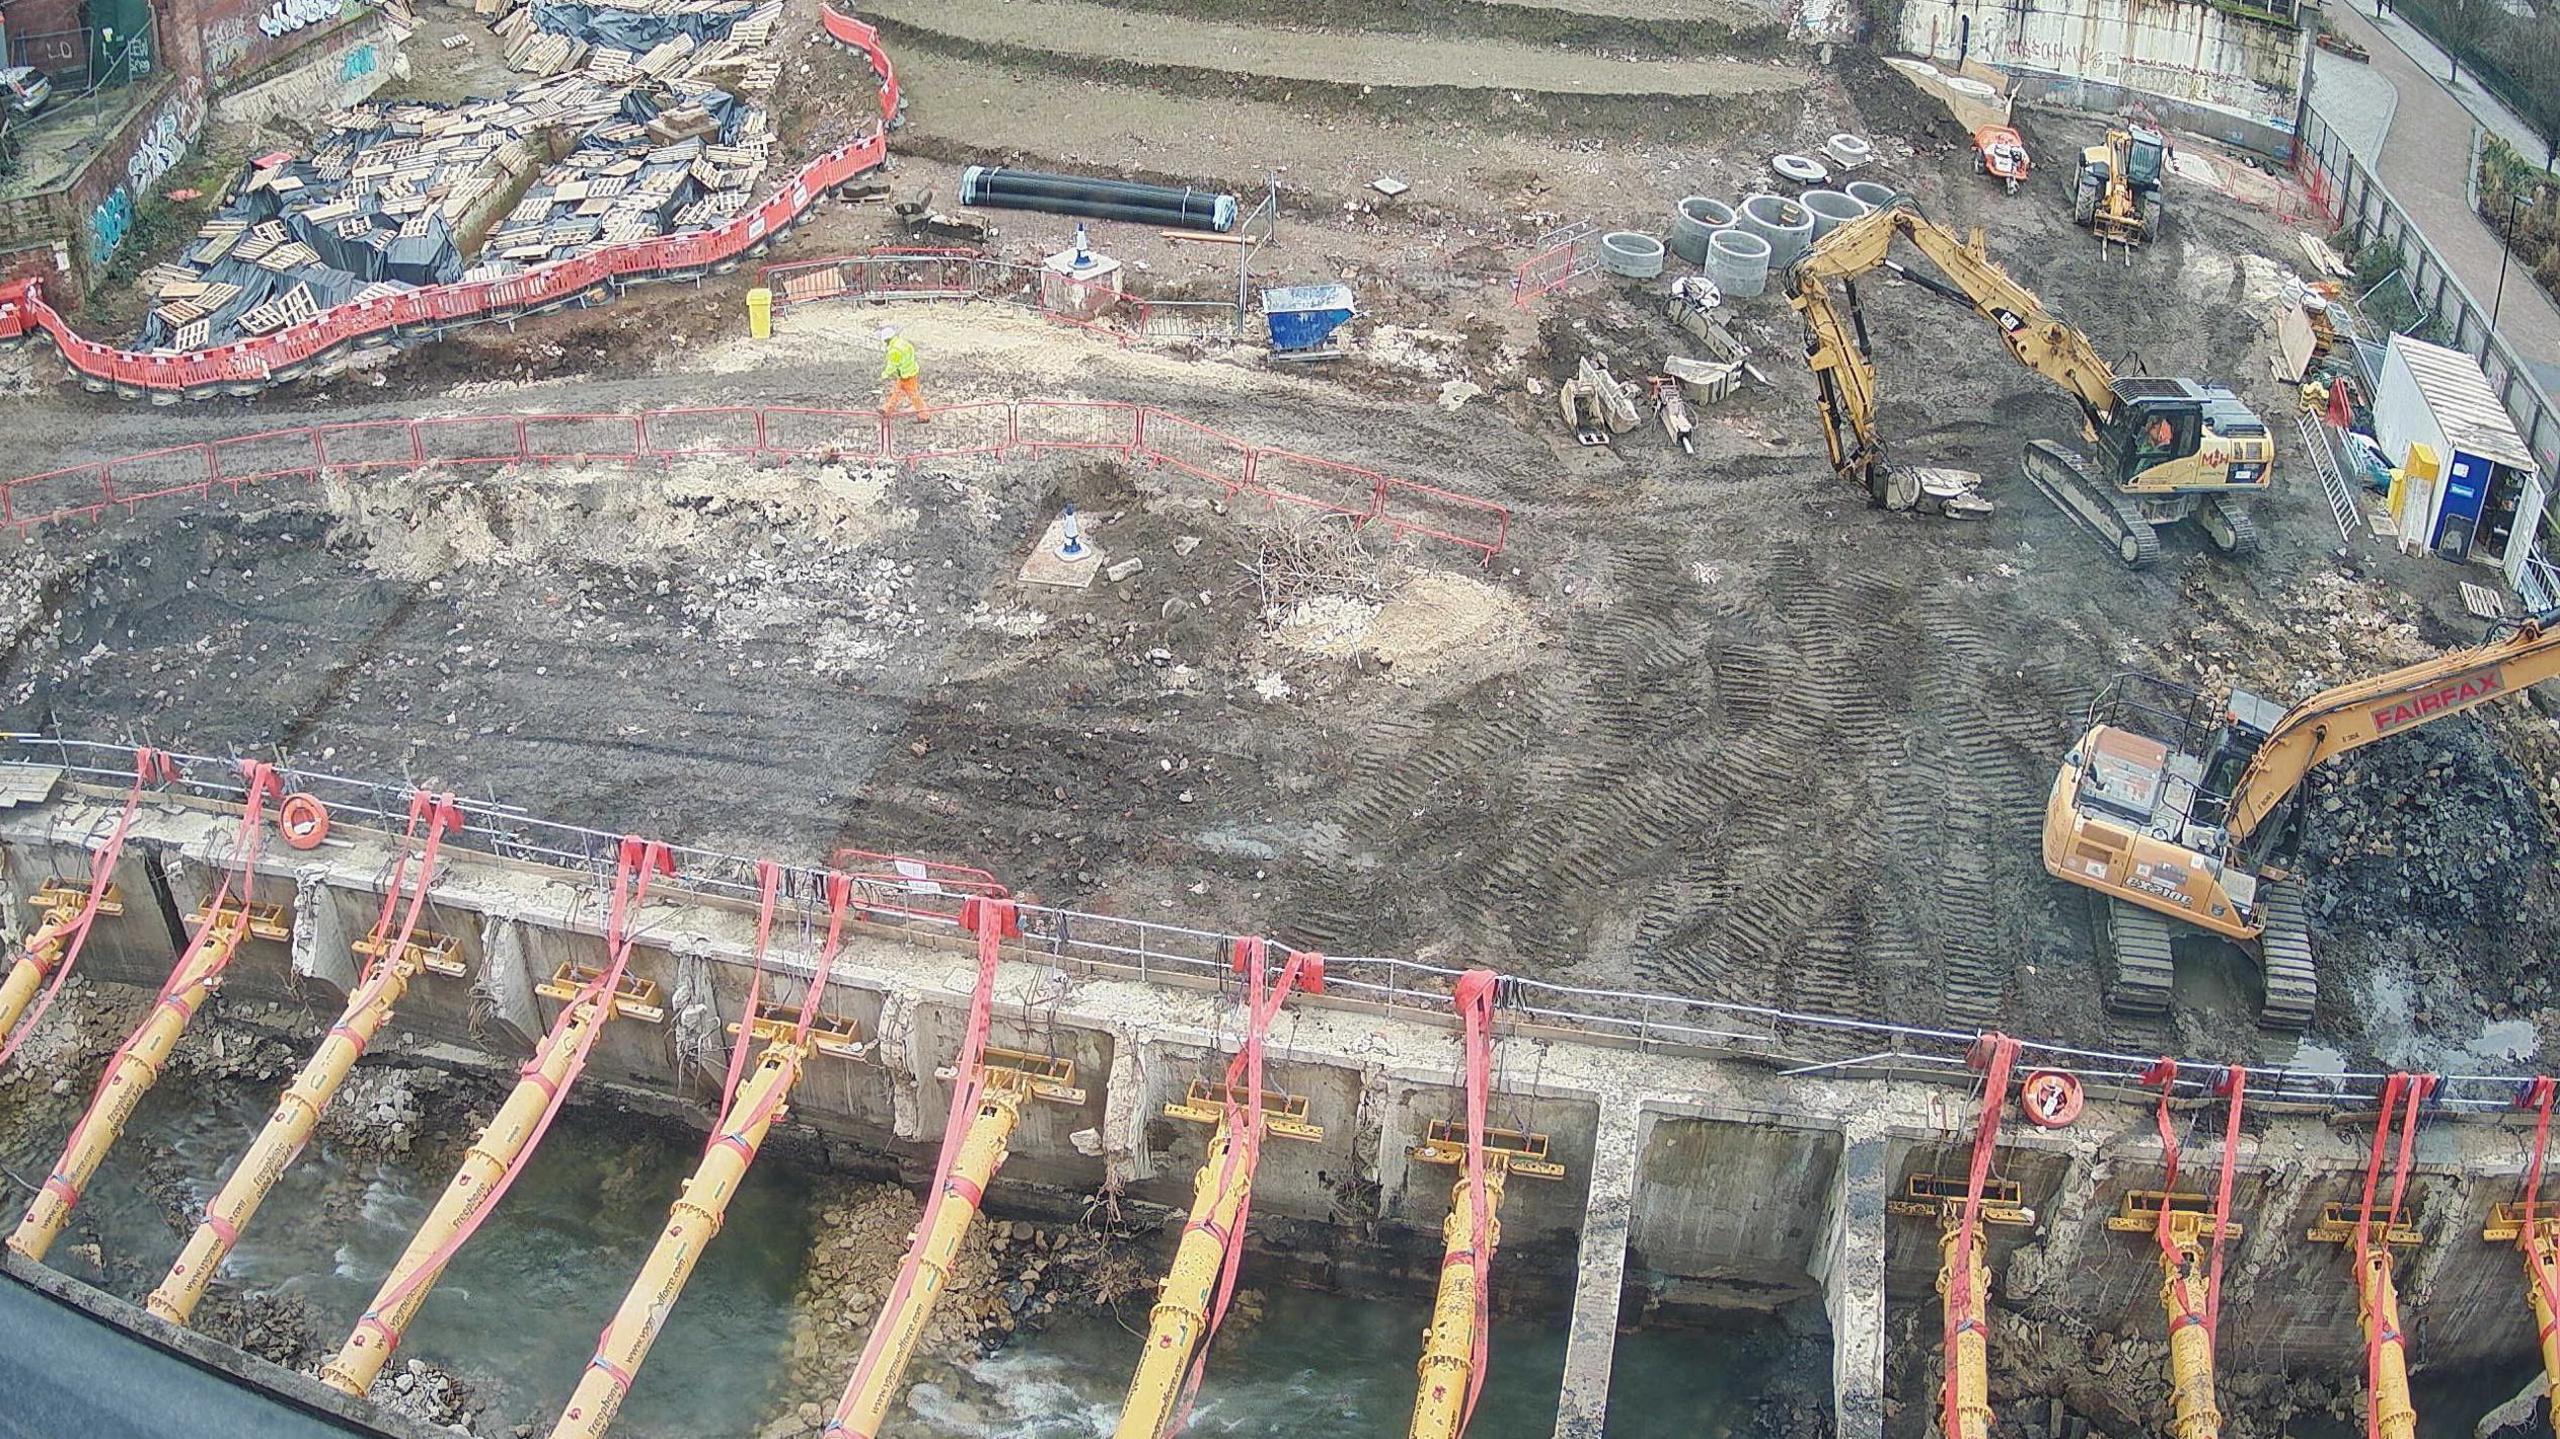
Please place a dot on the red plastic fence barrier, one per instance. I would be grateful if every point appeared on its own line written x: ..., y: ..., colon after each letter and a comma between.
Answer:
x: 246, y: 366
x: 997, y: 429
x: 866, y: 38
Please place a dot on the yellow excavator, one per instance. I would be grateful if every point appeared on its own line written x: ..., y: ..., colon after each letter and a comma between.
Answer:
x: 2117, y: 191
x: 2167, y: 450
x: 2178, y: 813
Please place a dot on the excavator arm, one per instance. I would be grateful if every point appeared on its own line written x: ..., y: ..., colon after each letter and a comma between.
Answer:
x: 2352, y: 716
x: 1836, y: 339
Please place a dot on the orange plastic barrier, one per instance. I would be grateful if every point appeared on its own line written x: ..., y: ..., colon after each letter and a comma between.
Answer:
x: 247, y: 366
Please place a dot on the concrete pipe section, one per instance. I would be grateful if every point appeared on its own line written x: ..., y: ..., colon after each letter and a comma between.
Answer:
x: 1831, y: 209
x: 1738, y: 261
x: 1696, y: 218
x: 1799, y: 169
x: 1848, y: 151
x: 1784, y: 224
x: 1624, y: 252
x: 1874, y: 194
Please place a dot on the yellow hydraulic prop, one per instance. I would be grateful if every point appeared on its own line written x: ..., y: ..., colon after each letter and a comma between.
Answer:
x: 2378, y: 1307
x: 1181, y: 1317
x: 1449, y: 1345
x: 2539, y: 1241
x: 1010, y: 1078
x: 2195, y: 1413
x: 404, y: 1290
x: 280, y: 1142
x: 221, y: 926
x: 695, y: 1218
x: 62, y: 903
x: 1942, y: 1197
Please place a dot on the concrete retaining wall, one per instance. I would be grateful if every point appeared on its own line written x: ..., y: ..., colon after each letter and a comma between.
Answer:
x: 1714, y: 1182
x: 2216, y: 58
x: 328, y: 73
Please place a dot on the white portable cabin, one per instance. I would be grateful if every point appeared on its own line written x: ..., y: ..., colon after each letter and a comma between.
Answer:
x: 2470, y: 490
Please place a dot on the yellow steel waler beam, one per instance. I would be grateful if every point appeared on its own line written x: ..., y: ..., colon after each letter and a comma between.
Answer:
x: 219, y: 934
x: 2541, y: 1248
x: 1449, y: 1346
x: 1011, y: 1077
x: 2194, y: 1411
x: 693, y: 1222
x: 369, y: 1347
x: 2378, y: 1306
x: 281, y: 1141
x: 1181, y: 1316
x: 1943, y: 1197
x: 62, y: 904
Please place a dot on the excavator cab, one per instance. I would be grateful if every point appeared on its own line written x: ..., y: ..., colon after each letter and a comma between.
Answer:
x: 2144, y: 154
x: 2175, y: 438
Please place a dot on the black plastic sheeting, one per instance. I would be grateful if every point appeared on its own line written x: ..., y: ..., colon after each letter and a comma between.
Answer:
x: 627, y: 30
x: 347, y: 264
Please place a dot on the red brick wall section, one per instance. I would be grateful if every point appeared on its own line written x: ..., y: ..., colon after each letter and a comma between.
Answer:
x: 134, y: 162
x: 43, y: 33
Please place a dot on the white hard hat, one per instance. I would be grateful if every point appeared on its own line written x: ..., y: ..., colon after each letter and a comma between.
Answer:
x: 888, y: 332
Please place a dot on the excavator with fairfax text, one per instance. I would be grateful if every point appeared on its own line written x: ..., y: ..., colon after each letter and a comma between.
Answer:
x: 2167, y: 450
x: 2178, y: 814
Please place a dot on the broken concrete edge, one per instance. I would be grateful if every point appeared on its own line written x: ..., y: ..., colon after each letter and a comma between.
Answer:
x: 574, y: 901
x: 299, y: 1392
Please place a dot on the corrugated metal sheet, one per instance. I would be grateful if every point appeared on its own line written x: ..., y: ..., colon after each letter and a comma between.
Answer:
x: 2465, y: 407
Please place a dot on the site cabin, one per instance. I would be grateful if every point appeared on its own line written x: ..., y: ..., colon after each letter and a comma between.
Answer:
x: 2462, y: 475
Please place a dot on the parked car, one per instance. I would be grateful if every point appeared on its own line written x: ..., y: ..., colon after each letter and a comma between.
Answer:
x: 24, y: 89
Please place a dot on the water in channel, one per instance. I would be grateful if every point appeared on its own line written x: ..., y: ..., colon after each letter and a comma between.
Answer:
x: 517, y: 1313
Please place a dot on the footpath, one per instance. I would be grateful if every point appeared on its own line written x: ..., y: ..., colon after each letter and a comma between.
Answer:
x: 2426, y: 165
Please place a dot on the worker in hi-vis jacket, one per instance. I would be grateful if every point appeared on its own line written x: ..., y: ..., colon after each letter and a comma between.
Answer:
x: 899, y: 373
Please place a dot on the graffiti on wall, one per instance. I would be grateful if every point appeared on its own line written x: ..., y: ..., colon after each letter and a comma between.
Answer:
x: 359, y: 62
x: 286, y: 16
x: 226, y: 43
x: 109, y: 223
x: 164, y: 140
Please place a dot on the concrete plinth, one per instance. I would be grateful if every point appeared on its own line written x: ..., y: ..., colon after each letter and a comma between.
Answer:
x: 1047, y: 567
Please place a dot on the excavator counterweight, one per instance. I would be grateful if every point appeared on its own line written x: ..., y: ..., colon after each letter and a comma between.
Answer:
x: 2168, y: 450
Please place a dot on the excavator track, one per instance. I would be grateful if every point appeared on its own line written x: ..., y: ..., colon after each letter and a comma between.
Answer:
x: 2227, y: 524
x: 2284, y: 958
x: 2134, y: 943
x: 2098, y: 508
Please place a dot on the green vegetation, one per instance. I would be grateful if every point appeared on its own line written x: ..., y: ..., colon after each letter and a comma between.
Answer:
x: 2512, y: 50
x: 2521, y: 203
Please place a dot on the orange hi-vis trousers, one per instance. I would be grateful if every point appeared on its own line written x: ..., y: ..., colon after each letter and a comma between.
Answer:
x: 908, y: 394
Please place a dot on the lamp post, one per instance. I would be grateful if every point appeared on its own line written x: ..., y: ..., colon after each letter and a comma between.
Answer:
x: 2506, y: 249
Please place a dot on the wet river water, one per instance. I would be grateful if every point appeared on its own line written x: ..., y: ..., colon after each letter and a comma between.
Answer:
x: 517, y: 1314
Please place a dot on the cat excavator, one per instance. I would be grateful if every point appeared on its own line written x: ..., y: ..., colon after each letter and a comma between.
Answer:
x: 2167, y: 450
x: 2179, y: 814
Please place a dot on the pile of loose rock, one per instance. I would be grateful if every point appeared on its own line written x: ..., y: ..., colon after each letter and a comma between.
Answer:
x: 1010, y: 1275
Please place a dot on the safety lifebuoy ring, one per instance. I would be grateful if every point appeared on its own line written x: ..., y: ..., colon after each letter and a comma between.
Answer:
x: 2049, y: 1098
x: 304, y: 821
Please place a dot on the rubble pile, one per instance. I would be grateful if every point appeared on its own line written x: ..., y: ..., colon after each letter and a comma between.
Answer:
x: 2436, y: 827
x: 1010, y: 1275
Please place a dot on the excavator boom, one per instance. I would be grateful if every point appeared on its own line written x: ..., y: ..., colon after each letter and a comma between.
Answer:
x: 2169, y: 449
x: 2352, y: 716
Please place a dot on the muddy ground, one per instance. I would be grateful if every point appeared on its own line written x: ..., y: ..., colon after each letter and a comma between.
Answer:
x: 1710, y: 726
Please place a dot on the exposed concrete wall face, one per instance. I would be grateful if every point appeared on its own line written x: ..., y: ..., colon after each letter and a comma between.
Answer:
x: 331, y: 71
x: 1746, y: 1197
x: 2185, y: 50
x: 1730, y: 1184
